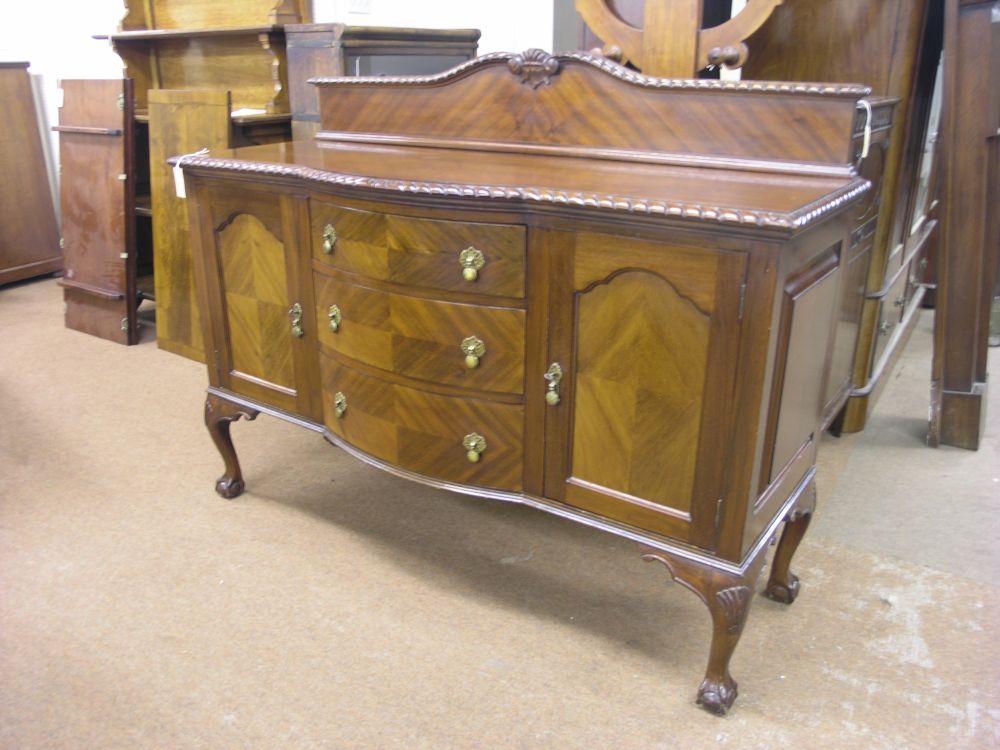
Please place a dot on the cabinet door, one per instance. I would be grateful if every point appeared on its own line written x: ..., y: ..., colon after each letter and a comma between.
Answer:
x: 97, y: 198
x: 252, y: 275
x: 646, y: 334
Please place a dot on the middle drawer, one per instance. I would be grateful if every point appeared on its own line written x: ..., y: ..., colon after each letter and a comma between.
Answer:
x: 471, y: 346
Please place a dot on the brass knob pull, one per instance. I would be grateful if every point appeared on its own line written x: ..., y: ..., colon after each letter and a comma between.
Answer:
x: 472, y: 261
x: 339, y: 404
x: 329, y: 238
x: 474, y: 445
x: 473, y: 348
x: 335, y: 318
x: 884, y: 327
x: 553, y: 377
x: 295, y: 313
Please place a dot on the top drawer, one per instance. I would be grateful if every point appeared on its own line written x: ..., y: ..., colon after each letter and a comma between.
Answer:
x: 451, y: 255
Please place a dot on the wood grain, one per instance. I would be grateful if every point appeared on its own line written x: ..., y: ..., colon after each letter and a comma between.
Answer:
x: 29, y: 236
x: 420, y: 338
x: 423, y: 432
x: 420, y: 252
x: 96, y: 192
x: 180, y: 122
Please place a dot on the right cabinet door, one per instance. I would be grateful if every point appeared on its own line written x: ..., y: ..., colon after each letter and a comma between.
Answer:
x: 646, y: 336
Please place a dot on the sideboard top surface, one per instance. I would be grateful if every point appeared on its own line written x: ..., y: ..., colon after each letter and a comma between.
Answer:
x: 773, y: 201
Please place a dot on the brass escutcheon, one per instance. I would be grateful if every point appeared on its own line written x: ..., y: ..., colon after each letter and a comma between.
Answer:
x: 329, y: 238
x: 473, y: 348
x: 335, y: 318
x: 295, y: 313
x: 472, y: 261
x: 474, y: 445
x: 339, y: 404
x: 553, y: 377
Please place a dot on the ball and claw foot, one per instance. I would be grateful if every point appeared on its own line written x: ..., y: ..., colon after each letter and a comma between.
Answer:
x: 229, y: 488
x: 783, y: 592
x: 717, y: 697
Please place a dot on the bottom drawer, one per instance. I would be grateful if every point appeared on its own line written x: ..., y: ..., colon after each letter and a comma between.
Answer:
x: 424, y: 432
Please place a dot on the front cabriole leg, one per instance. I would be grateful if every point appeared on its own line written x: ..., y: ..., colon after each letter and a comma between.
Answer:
x: 728, y: 596
x: 219, y: 415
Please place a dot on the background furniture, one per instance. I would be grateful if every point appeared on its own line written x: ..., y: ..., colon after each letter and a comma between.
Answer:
x: 894, y: 47
x: 29, y: 237
x: 628, y: 326
x: 970, y: 248
x: 188, y: 61
x: 333, y: 49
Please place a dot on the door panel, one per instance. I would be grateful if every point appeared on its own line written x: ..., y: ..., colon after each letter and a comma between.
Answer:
x: 251, y: 264
x: 97, y: 201
x: 647, y: 393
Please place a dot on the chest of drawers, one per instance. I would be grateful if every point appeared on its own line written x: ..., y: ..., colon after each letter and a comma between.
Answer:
x: 629, y: 326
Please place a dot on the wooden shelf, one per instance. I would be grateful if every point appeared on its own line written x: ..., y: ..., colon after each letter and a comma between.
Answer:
x: 143, y: 205
x: 154, y: 34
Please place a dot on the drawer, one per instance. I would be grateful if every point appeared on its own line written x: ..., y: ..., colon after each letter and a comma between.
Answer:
x: 421, y: 252
x: 422, y: 338
x: 424, y: 432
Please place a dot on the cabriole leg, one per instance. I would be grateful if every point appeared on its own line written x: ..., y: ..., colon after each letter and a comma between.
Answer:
x: 782, y: 584
x: 728, y: 597
x: 219, y: 415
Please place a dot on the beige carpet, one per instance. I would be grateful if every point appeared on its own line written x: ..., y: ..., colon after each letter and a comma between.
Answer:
x: 333, y: 606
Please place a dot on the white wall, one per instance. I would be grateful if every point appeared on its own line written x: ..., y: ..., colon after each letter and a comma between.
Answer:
x: 55, y: 35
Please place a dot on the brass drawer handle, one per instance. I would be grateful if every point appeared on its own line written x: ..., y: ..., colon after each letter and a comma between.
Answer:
x: 474, y: 445
x: 339, y: 404
x: 295, y: 313
x: 329, y: 238
x: 335, y: 318
x: 473, y: 348
x: 472, y: 261
x: 553, y: 376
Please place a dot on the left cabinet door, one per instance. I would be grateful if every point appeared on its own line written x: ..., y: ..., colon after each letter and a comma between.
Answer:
x: 252, y: 274
x: 97, y: 196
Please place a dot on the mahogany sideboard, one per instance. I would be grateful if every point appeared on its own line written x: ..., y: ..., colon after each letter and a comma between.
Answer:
x: 491, y: 281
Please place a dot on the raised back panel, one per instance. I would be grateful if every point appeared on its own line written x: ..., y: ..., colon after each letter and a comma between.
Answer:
x: 180, y: 122
x: 577, y: 102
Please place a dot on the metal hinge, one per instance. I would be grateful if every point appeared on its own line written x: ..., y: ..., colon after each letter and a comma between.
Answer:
x: 62, y: 242
x: 121, y: 102
x: 743, y: 299
x: 123, y: 256
x: 718, y: 512
x: 125, y: 324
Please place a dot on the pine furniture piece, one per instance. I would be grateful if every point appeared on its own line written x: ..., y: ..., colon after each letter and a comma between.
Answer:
x: 29, y: 236
x: 490, y: 281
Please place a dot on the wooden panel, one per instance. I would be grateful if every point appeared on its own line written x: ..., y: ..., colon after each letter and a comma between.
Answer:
x: 420, y: 252
x: 95, y: 195
x: 802, y: 361
x: 199, y: 14
x: 180, y: 122
x: 640, y: 383
x: 421, y: 338
x: 655, y: 335
x: 848, y: 324
x: 256, y: 302
x: 582, y: 107
x: 251, y: 67
x: 29, y: 239
x: 423, y: 432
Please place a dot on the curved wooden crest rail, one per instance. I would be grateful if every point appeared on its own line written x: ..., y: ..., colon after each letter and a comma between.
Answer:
x: 490, y: 281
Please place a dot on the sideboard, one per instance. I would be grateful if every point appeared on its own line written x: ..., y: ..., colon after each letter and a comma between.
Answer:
x: 494, y: 281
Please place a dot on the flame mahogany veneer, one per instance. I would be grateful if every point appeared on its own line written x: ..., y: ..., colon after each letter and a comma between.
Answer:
x: 550, y: 280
